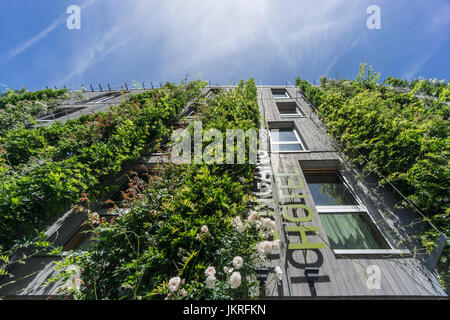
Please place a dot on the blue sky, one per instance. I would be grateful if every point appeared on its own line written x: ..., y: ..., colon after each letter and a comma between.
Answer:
x: 219, y: 40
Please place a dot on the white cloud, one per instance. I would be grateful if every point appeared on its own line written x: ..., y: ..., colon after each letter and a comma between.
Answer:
x: 221, y: 38
x: 90, y: 55
x: 434, y: 34
x: 271, y: 40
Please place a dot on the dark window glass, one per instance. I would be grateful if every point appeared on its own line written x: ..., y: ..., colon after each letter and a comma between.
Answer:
x: 280, y: 93
x: 288, y: 108
x: 327, y: 189
x: 289, y: 111
x: 80, y: 240
x: 62, y: 112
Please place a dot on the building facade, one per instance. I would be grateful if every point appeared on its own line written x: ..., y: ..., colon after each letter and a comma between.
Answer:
x: 341, y: 234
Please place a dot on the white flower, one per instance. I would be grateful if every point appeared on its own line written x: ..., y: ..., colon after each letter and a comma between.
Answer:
x: 254, y: 216
x: 184, y: 293
x: 240, y: 228
x: 276, y: 244
x: 211, y: 282
x: 278, y: 273
x: 210, y: 272
x: 174, y: 284
x: 236, y: 221
x: 238, y: 262
x: 235, y: 280
x: 228, y: 270
x: 265, y: 247
x: 269, y: 224
x: 242, y: 179
x: 204, y: 229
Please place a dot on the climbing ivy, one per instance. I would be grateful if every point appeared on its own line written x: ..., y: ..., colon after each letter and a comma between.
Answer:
x: 402, y: 136
x: 46, y: 169
x: 185, y: 223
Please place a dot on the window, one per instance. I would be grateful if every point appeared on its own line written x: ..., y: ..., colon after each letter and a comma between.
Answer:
x: 280, y: 93
x: 80, y: 240
x: 62, y: 112
x: 104, y: 99
x: 328, y: 189
x: 83, y: 237
x: 286, y: 140
x: 289, y: 109
x: 213, y: 91
x: 350, y: 231
x: 346, y: 221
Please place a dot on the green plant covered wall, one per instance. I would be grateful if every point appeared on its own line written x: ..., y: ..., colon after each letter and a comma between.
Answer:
x: 190, y: 232
x: 46, y: 169
x: 404, y: 136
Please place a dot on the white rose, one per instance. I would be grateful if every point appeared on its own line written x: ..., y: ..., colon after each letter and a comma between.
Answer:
x: 227, y: 270
x: 240, y: 228
x: 204, y: 229
x: 254, y: 216
x: 235, y: 280
x: 238, y: 262
x: 278, y: 273
x: 236, y: 221
x: 210, y: 272
x: 265, y: 247
x: 269, y: 224
x: 174, y: 284
x: 268, y: 246
x: 276, y: 244
x: 211, y: 282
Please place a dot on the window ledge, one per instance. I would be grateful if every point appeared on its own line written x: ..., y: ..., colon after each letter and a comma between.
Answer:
x: 372, y: 251
x: 342, y: 209
x: 299, y: 151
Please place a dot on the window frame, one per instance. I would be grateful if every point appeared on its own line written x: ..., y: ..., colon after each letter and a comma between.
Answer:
x: 104, y: 98
x: 360, y: 209
x: 298, y: 142
x: 286, y: 93
x: 299, y: 114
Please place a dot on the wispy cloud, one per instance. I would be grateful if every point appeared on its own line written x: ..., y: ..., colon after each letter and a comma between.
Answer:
x: 11, y: 54
x: 108, y: 42
x: 226, y: 40
x: 24, y: 45
x: 434, y: 35
x: 222, y: 39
